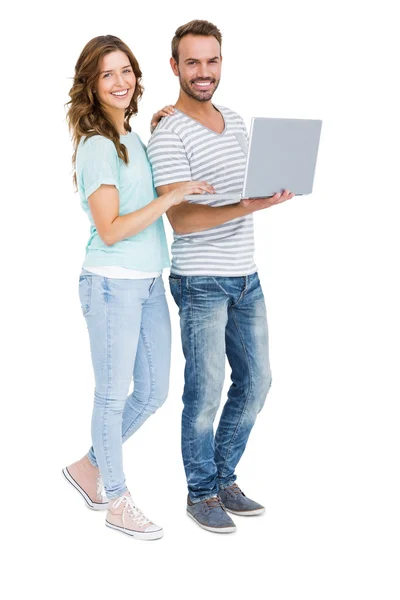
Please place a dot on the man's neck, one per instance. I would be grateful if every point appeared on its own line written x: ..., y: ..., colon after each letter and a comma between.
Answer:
x: 195, y: 109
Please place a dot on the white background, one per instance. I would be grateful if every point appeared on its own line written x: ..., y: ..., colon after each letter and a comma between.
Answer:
x: 324, y: 454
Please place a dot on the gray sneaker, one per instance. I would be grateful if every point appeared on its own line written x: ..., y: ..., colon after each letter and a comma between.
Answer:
x: 211, y: 515
x: 237, y: 503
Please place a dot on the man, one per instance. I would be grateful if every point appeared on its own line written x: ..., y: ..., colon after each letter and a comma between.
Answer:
x: 213, y: 279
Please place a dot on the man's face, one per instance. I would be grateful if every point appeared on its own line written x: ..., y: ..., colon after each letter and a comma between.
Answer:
x: 199, y: 66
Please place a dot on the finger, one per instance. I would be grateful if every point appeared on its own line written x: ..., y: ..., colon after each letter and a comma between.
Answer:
x: 200, y: 190
x: 276, y: 198
x: 205, y: 185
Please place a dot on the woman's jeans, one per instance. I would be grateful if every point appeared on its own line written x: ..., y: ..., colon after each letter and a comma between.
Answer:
x: 130, y: 335
x: 220, y: 316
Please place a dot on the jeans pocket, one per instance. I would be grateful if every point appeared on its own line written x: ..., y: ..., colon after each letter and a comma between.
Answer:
x: 175, y: 285
x: 85, y: 293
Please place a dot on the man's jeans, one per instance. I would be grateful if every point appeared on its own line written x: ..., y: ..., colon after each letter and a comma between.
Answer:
x: 130, y: 334
x: 220, y: 316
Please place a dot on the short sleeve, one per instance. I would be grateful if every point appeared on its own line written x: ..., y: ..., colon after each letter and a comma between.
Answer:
x: 244, y: 128
x: 168, y: 158
x: 97, y: 163
x: 241, y: 135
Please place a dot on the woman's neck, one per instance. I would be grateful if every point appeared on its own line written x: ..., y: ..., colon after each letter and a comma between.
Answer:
x: 118, y: 119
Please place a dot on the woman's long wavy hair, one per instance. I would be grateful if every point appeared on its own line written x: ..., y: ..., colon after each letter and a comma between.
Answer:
x: 85, y: 115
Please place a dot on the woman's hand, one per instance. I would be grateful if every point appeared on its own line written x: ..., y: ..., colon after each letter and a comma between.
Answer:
x: 156, y: 118
x: 176, y: 196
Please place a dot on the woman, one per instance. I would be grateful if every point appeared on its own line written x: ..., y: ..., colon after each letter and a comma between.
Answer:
x: 121, y: 289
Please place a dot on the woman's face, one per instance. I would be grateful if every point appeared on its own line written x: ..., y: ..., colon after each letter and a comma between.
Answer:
x: 116, y: 82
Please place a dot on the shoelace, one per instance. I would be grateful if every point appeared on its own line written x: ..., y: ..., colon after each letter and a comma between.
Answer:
x: 214, y: 503
x: 235, y: 490
x: 133, y: 511
x: 100, y: 489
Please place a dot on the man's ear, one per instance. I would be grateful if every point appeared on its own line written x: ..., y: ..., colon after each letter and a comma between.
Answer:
x: 174, y: 66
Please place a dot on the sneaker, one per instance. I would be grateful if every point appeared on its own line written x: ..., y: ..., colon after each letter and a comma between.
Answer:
x: 237, y: 503
x: 211, y: 515
x: 124, y: 516
x: 86, y: 478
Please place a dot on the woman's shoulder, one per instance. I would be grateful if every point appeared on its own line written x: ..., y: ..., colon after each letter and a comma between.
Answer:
x: 135, y: 137
x: 95, y: 144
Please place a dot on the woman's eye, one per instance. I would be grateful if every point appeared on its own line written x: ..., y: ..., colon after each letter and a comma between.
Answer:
x: 127, y: 70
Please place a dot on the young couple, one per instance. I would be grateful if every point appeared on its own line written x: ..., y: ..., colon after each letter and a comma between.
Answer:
x: 198, y: 148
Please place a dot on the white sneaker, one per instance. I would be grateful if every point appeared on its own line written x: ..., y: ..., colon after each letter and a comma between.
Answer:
x: 124, y: 516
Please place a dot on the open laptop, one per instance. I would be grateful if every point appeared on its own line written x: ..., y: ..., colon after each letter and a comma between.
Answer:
x: 282, y: 156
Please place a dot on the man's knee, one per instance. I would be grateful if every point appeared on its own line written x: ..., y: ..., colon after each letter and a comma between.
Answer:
x: 261, y: 386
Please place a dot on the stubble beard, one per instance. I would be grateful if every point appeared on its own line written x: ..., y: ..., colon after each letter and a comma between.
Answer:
x: 201, y: 96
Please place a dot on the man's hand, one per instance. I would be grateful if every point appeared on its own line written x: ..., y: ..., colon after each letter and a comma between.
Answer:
x: 156, y: 118
x: 254, y: 204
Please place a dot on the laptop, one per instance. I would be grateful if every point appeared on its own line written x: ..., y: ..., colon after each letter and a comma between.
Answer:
x: 282, y: 155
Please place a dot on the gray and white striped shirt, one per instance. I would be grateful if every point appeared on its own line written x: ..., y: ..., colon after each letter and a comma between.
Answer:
x: 182, y: 149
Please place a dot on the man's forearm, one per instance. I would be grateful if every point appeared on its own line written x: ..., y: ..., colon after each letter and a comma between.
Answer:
x: 191, y: 218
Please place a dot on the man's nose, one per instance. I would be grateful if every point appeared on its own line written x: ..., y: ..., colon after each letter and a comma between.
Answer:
x: 203, y: 72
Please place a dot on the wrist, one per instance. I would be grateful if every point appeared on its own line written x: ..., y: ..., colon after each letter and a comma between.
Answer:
x: 244, y: 210
x: 164, y: 201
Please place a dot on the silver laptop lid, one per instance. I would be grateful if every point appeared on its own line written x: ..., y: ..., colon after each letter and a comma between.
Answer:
x: 282, y: 155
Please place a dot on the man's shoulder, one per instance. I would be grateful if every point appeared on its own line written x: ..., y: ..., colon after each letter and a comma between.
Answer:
x: 228, y: 112
x: 170, y: 124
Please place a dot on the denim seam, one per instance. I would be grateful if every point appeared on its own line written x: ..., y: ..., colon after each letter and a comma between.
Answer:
x: 197, y: 501
x: 195, y: 370
x: 243, y: 292
x: 90, y: 460
x: 223, y: 487
x: 220, y: 286
x: 105, y: 412
x: 117, y: 494
x: 152, y: 381
x: 246, y: 401
x: 180, y: 296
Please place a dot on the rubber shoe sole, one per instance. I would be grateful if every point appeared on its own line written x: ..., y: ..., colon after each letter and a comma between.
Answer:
x: 139, y: 535
x: 89, y: 502
x: 212, y: 529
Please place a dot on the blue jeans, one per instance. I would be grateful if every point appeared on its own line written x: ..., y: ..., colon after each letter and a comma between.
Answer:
x: 130, y: 334
x: 220, y: 316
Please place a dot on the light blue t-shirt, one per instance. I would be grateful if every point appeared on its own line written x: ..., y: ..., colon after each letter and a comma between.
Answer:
x: 97, y: 163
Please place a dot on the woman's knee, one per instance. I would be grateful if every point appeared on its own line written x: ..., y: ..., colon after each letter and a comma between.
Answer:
x: 150, y: 395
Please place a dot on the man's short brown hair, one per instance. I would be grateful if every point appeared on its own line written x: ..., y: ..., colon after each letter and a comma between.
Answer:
x: 194, y: 28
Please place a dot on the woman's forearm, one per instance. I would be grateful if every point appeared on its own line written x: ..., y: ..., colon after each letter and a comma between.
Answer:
x: 125, y: 226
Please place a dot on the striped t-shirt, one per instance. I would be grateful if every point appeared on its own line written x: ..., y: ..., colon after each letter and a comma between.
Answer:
x: 182, y: 149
